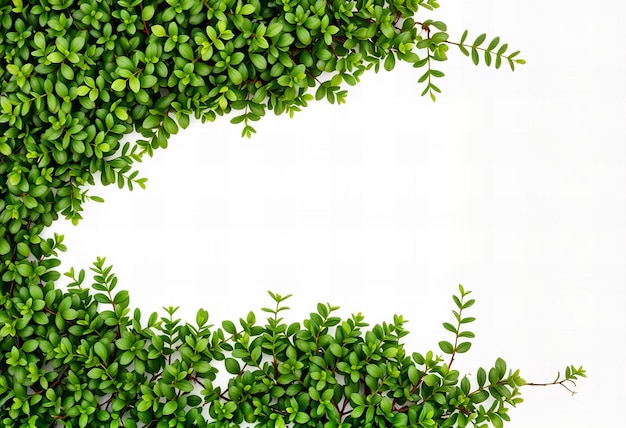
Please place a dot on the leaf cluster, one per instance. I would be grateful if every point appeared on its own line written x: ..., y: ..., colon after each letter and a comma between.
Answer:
x: 87, y: 361
x: 76, y: 77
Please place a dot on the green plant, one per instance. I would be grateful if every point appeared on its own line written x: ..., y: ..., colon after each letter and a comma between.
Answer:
x: 78, y: 76
x: 94, y: 367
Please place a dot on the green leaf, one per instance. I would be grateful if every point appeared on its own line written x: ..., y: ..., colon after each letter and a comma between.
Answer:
x: 229, y: 327
x: 118, y: 85
x: 479, y: 40
x: 133, y: 84
x: 40, y: 40
x: 148, y: 81
x: 184, y: 385
x: 385, y: 405
x: 439, y: 37
x: 487, y: 56
x: 247, y: 9
x: 446, y: 347
x: 475, y: 57
x: 469, y: 303
x: 202, y: 316
x: 101, y: 351
x: 357, y: 399
x: 496, y: 420
x: 390, y: 352
x: 55, y: 57
x: 259, y: 61
x: 479, y: 396
x: 463, y: 347
x: 274, y: 29
x: 202, y: 367
x: 450, y: 327
x: 169, y: 125
x: 5, y: 247
x: 235, y: 76
x: 30, y: 345
x: 152, y: 121
x: 493, y: 43
x: 30, y: 202
x: 387, y: 29
x: 186, y: 51
x: 390, y: 61
x: 83, y: 90
x: 5, y: 149
x: 481, y: 377
x: 125, y: 63
x: 441, y: 26
x: 493, y: 376
x: 24, y: 269
x: 23, y: 249
x: 121, y: 114
x: 431, y: 379
x: 67, y: 72
x: 69, y: 314
x: 303, y: 35
x: 302, y: 418
x: 463, y: 37
x: 147, y: 13
x: 170, y: 407
x: 284, y: 81
x: 232, y: 366
x: 501, y: 367
x: 335, y: 349
x: 238, y: 119
x: 77, y: 44
x: 414, y: 375
x: 159, y: 31
x: 374, y: 371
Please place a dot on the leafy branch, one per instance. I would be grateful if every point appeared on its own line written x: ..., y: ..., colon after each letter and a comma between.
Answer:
x: 101, y: 367
x: 458, y: 347
x: 435, y: 44
x: 488, y: 52
x: 572, y: 374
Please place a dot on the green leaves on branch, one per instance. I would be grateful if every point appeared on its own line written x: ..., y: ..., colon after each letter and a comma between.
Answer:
x: 78, y: 77
x: 494, y: 52
x: 91, y: 362
x: 459, y: 346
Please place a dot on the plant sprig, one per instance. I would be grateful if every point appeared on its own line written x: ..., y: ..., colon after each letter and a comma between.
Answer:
x: 458, y: 347
x: 489, y: 52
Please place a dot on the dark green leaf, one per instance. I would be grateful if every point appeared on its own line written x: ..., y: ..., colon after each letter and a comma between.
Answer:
x: 375, y: 371
x: 463, y: 347
x: 390, y: 61
x: 446, y: 347
x: 232, y: 366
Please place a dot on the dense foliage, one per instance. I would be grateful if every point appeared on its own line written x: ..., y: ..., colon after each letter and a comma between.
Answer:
x: 107, y: 368
x: 76, y: 77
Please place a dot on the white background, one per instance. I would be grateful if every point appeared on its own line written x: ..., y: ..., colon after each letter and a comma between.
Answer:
x: 512, y: 184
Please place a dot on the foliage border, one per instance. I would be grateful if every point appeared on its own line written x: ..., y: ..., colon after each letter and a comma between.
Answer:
x: 75, y: 78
